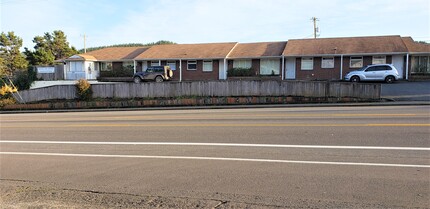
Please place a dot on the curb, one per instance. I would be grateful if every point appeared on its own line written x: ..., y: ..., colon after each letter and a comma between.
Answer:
x: 363, y: 104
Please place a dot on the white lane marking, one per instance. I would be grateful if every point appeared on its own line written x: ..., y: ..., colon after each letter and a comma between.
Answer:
x: 216, y: 158
x: 219, y: 144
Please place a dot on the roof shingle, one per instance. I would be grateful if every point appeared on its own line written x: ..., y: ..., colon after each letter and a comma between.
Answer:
x: 263, y: 49
x: 187, y: 51
x: 415, y: 47
x: 351, y: 45
x: 116, y: 53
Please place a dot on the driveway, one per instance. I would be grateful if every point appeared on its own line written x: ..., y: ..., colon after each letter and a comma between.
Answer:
x: 406, y: 91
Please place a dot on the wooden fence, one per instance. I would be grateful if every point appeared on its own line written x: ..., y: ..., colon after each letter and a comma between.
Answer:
x: 211, y: 89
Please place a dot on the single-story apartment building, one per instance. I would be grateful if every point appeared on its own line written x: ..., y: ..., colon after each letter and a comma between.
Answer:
x: 92, y: 64
x: 297, y: 59
x: 189, y: 61
x: 418, y: 57
x: 264, y: 59
x: 333, y: 58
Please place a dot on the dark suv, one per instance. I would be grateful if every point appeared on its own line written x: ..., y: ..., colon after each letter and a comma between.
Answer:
x: 154, y: 73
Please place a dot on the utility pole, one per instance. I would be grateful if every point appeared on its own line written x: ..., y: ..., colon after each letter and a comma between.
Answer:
x: 85, y: 42
x: 314, y: 19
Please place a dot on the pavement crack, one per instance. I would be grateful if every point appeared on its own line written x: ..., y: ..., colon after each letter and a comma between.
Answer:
x: 100, y: 192
x: 20, y: 180
x: 220, y: 204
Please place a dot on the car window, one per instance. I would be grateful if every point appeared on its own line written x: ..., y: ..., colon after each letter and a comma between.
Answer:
x: 371, y: 69
x: 159, y: 69
x: 384, y: 68
x: 150, y: 70
x: 362, y: 69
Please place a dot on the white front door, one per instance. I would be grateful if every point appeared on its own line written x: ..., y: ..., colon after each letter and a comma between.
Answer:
x: 221, y: 70
x: 144, y: 65
x: 398, y: 63
x: 290, y: 68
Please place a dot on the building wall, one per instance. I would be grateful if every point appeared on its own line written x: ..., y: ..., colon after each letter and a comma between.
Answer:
x: 319, y: 73
x: 198, y: 74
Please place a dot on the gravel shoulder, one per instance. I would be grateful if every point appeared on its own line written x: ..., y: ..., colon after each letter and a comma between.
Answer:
x: 25, y: 194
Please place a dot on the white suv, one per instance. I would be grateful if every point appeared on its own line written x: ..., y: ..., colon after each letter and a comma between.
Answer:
x: 380, y: 72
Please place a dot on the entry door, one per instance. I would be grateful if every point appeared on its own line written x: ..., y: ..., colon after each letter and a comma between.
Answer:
x: 398, y: 63
x: 290, y: 68
x: 221, y: 71
x: 144, y: 66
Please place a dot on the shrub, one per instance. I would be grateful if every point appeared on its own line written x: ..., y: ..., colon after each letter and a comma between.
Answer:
x: 6, y: 89
x: 24, y: 79
x: 6, y: 101
x: 238, y: 72
x: 83, y: 90
x: 123, y: 72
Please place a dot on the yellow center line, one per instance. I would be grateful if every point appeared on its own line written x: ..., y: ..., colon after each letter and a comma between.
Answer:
x: 228, y: 125
x: 246, y: 125
x: 219, y: 116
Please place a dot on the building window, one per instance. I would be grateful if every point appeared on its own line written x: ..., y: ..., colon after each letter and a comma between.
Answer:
x: 420, y: 65
x: 76, y: 67
x: 192, y: 65
x: 356, y: 62
x: 379, y: 60
x: 307, y: 63
x: 106, y: 66
x: 242, y: 64
x: 128, y: 65
x: 207, y: 66
x: 269, y: 66
x: 172, y: 65
x: 327, y: 62
x: 155, y: 63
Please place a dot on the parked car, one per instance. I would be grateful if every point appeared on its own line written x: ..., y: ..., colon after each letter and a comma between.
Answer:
x: 379, y: 72
x: 154, y: 73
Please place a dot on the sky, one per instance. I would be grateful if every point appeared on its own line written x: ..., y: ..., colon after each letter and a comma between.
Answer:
x: 109, y: 22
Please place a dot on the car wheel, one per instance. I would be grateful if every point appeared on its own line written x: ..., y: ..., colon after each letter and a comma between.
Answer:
x: 136, y: 80
x: 389, y: 79
x: 355, y: 79
x: 159, y: 79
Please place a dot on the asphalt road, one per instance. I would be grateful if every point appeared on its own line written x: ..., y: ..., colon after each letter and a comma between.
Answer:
x: 406, y: 91
x: 324, y: 157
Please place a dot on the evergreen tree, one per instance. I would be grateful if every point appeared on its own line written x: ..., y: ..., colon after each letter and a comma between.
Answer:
x: 11, y: 59
x: 2, y: 67
x: 49, y: 47
x: 161, y: 42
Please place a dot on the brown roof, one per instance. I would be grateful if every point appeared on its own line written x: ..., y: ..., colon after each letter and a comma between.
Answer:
x: 351, y: 45
x: 415, y: 47
x: 82, y: 57
x: 263, y: 49
x: 116, y: 53
x: 190, y: 51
